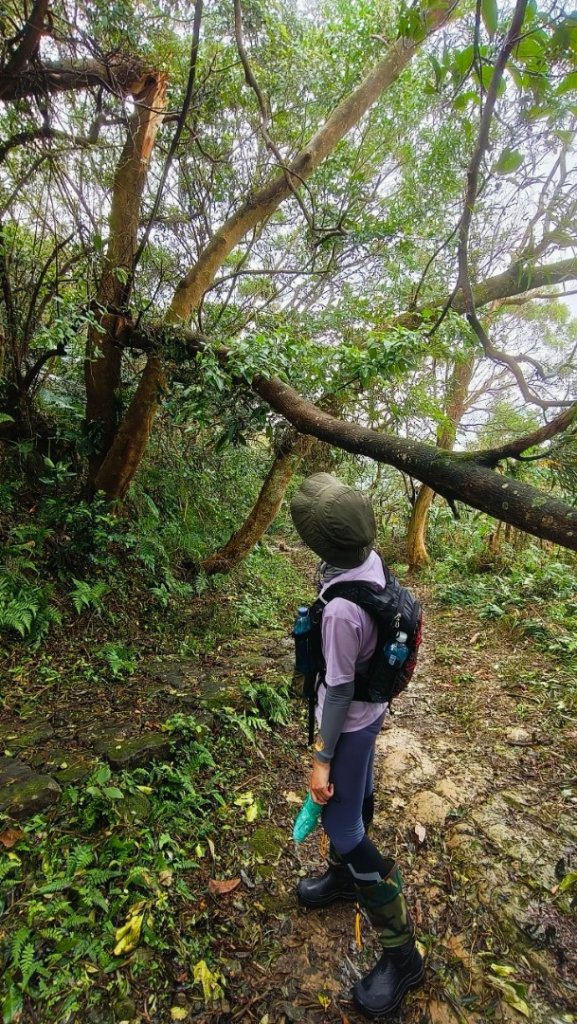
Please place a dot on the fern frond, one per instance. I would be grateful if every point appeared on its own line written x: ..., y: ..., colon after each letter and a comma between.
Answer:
x: 19, y: 940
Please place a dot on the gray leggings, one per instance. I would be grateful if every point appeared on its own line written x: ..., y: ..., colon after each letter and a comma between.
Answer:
x: 352, y: 777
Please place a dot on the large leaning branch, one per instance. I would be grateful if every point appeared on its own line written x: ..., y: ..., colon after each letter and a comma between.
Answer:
x: 119, y: 75
x: 456, y: 476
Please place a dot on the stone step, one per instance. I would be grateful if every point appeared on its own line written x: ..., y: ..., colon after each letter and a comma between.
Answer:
x: 24, y: 792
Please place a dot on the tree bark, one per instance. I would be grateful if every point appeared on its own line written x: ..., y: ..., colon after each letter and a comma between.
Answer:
x: 446, y: 436
x: 30, y: 38
x: 457, y: 476
x: 128, y: 447
x: 264, y: 510
x: 119, y: 75
x: 417, y: 528
x: 519, y: 279
x: 103, y: 353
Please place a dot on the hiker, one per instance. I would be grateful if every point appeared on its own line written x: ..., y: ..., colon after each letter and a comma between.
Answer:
x: 337, y: 522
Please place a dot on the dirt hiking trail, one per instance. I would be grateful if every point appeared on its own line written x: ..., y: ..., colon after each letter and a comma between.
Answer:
x: 478, y: 801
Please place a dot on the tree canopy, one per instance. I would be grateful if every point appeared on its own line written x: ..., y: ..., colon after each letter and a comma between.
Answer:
x: 315, y: 213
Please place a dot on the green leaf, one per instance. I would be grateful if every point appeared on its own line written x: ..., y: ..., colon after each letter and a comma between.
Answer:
x: 486, y: 77
x: 509, y: 161
x: 502, y: 970
x: 463, y: 61
x: 490, y: 16
x: 252, y: 812
x: 5, y: 418
x: 512, y: 994
x: 568, y: 84
x: 569, y: 880
x: 439, y: 71
x: 530, y: 52
x: 464, y: 98
x: 102, y: 775
x: 113, y: 793
x: 530, y: 12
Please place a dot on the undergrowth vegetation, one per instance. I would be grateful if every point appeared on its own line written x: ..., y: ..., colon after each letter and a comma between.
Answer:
x: 75, y: 565
x: 125, y: 865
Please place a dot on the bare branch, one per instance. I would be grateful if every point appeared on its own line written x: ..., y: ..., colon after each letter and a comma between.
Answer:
x: 119, y: 75
x: 34, y: 371
x: 514, y: 449
x: 198, y: 7
x: 511, y: 39
x: 264, y: 109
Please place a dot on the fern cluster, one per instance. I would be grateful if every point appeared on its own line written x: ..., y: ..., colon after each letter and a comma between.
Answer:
x: 271, y: 701
x: 25, y: 608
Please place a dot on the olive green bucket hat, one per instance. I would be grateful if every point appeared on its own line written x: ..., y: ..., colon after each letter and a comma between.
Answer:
x: 334, y: 520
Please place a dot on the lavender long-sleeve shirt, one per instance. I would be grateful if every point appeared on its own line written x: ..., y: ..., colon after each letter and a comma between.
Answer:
x: 349, y: 635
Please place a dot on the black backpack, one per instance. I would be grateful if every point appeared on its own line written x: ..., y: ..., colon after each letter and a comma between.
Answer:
x: 395, y: 609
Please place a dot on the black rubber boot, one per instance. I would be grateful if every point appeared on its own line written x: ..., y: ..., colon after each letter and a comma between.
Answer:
x: 336, y: 884
x: 382, y: 991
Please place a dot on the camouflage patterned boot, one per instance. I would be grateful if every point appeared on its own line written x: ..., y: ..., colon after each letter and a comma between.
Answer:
x: 400, y: 967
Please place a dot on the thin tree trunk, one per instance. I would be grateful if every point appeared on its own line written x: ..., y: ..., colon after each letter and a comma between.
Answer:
x: 262, y: 204
x: 103, y: 353
x: 417, y: 528
x: 265, y: 508
x: 29, y: 38
x: 455, y: 407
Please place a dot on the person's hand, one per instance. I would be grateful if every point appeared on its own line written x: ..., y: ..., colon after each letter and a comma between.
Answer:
x: 320, y: 788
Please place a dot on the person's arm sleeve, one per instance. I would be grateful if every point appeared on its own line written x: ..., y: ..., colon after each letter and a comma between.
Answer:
x: 336, y: 705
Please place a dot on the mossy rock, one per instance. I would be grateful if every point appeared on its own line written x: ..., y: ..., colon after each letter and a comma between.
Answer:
x: 136, y: 752
x: 24, y: 792
x: 267, y: 843
x: 217, y: 691
x: 28, y: 733
x: 125, y: 1009
x: 134, y: 807
x: 74, y: 773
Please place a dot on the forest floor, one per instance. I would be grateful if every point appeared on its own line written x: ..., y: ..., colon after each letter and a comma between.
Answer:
x: 476, y: 797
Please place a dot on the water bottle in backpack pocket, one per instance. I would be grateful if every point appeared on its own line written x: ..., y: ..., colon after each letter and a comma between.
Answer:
x: 303, y: 657
x: 396, y: 651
